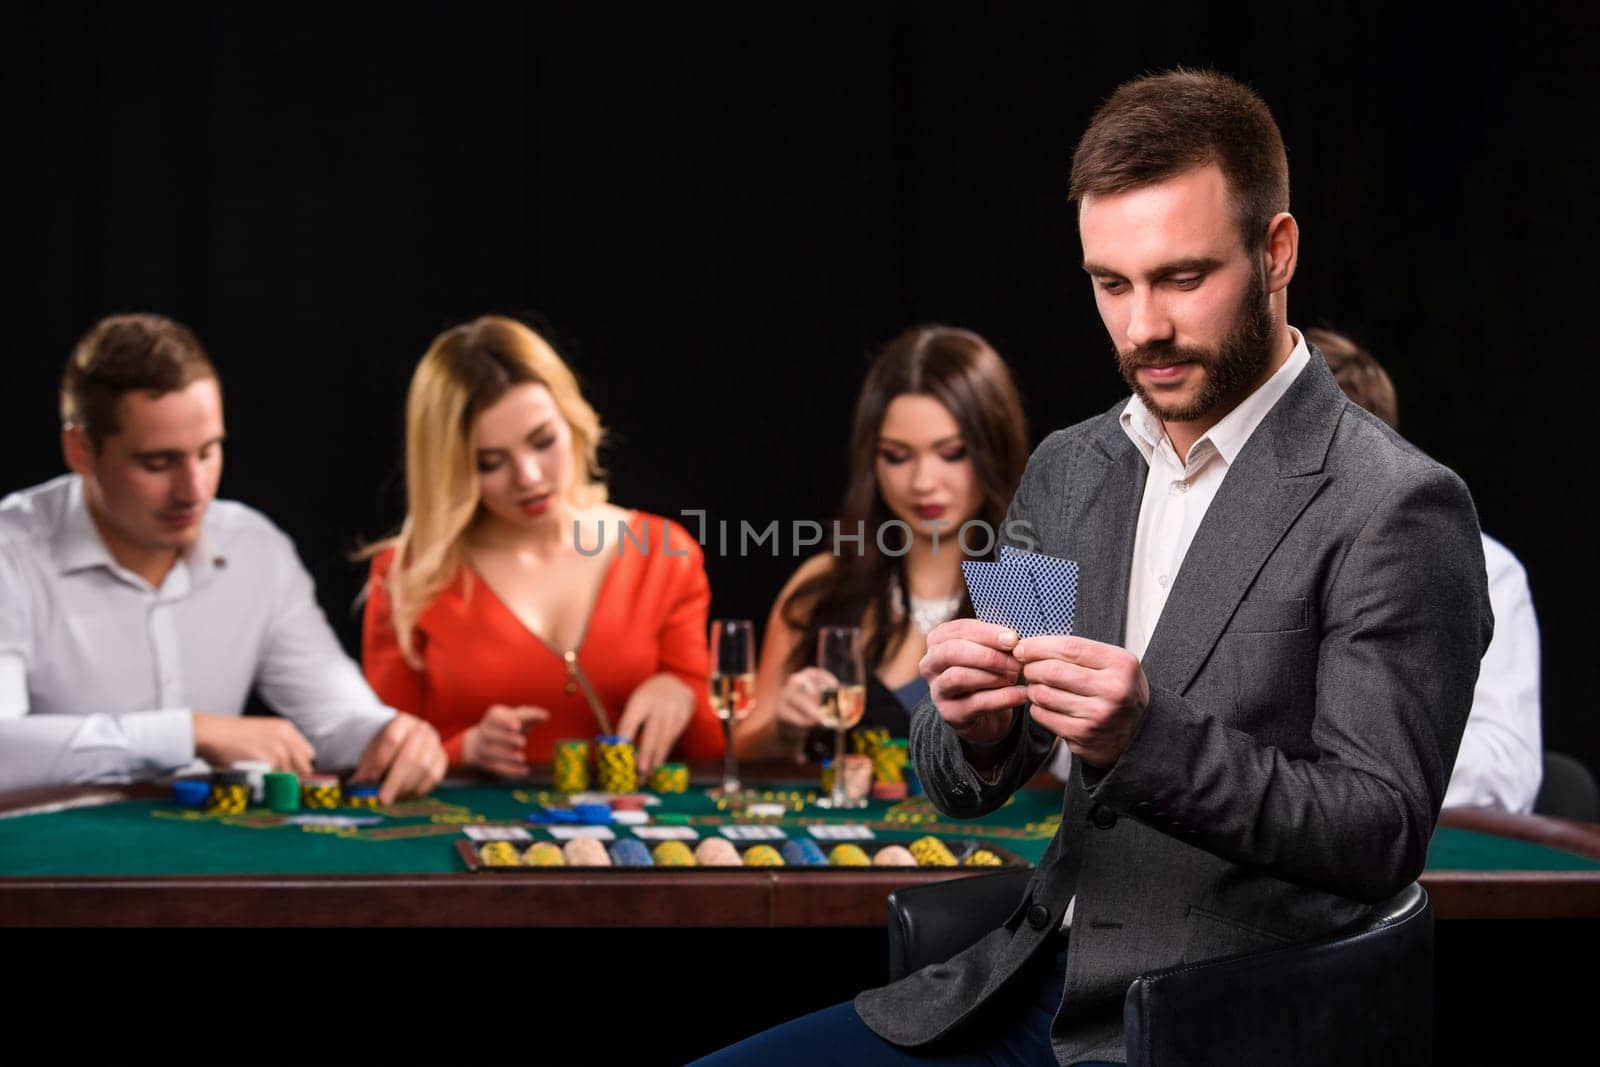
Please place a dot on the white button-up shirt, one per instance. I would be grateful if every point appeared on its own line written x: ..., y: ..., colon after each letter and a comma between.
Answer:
x: 100, y: 670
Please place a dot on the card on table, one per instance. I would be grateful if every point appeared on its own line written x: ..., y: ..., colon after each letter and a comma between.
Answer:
x: 843, y: 832
x: 753, y: 833
x: 567, y: 833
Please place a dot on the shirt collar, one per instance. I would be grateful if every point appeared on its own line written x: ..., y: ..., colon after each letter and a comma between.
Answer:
x: 1233, y: 430
x: 77, y: 544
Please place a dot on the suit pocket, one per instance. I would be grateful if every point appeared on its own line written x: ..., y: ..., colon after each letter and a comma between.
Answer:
x: 1262, y: 616
x: 1208, y: 935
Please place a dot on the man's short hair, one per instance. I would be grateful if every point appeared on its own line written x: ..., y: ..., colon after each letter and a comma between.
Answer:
x: 1362, y: 377
x: 1159, y: 126
x: 122, y: 354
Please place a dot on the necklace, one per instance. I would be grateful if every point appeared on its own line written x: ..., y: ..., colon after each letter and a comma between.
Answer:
x: 926, y: 612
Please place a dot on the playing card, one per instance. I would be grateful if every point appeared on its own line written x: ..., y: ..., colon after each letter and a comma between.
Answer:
x: 1056, y: 582
x: 1004, y: 593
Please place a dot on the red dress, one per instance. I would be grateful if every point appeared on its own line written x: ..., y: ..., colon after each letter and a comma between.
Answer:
x: 649, y: 618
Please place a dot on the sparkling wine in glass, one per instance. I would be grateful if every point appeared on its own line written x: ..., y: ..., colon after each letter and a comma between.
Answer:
x: 733, y: 685
x: 843, y: 699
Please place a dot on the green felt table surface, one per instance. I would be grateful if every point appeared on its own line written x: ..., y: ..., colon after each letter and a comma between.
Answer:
x: 154, y: 837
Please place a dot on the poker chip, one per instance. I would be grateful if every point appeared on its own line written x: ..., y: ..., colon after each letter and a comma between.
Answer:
x: 803, y: 852
x: 255, y: 772
x: 848, y: 855
x: 499, y: 854
x: 320, y: 791
x: 673, y: 854
x: 364, y: 795
x: 586, y: 852
x: 931, y: 852
x: 982, y: 857
x: 591, y: 814
x: 191, y: 792
x: 570, y: 769
x: 630, y: 817
x: 670, y: 778
x: 615, y: 765
x: 230, y: 792
x: 717, y: 852
x: 630, y: 852
x: 894, y: 856
x: 282, y: 791
x: 762, y: 856
x: 544, y: 854
x: 628, y: 802
x: 888, y: 790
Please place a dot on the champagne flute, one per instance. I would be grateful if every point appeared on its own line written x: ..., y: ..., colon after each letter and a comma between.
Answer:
x: 843, y: 699
x: 733, y: 686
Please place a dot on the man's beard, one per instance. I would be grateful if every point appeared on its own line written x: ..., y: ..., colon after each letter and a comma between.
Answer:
x: 1231, y: 369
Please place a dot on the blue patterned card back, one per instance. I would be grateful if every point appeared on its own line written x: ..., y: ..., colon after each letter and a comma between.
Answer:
x: 1056, y: 582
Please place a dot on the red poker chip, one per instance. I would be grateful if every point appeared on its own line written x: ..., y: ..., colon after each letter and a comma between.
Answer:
x: 627, y: 803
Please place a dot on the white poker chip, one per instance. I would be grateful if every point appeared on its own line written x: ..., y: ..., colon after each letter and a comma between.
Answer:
x: 764, y: 810
x: 630, y: 818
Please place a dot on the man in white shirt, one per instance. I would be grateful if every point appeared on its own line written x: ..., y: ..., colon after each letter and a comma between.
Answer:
x: 137, y: 613
x: 1500, y: 763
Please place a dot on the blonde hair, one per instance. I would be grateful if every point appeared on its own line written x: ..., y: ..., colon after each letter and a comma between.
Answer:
x: 466, y: 371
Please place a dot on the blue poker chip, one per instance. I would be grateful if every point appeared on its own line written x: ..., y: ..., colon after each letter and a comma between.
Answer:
x: 803, y: 852
x: 592, y: 814
x: 554, y: 816
x: 631, y: 852
x: 363, y: 790
x: 190, y: 792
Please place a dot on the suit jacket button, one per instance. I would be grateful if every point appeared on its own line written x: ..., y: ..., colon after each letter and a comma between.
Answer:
x: 1038, y: 916
x: 1103, y: 817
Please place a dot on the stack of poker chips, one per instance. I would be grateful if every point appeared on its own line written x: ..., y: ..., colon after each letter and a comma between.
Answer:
x: 717, y: 852
x: 630, y: 852
x: 889, y: 759
x: 320, y: 791
x: 670, y: 778
x: 364, y: 795
x: 673, y: 854
x: 571, y: 768
x: 191, y: 792
x: 931, y: 852
x: 894, y: 856
x: 283, y: 791
x: 864, y: 741
x: 256, y: 772
x: 544, y: 854
x: 802, y: 852
x: 982, y: 857
x: 762, y: 856
x: 848, y: 856
x: 498, y: 854
x: 614, y: 762
x: 230, y: 792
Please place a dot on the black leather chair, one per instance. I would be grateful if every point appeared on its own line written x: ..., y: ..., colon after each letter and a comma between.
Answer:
x: 1361, y: 995
x: 1568, y: 790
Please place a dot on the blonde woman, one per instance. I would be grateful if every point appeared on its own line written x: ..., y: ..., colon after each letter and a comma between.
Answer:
x: 516, y: 606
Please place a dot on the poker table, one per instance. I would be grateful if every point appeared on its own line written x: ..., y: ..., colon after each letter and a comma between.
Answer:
x: 128, y: 856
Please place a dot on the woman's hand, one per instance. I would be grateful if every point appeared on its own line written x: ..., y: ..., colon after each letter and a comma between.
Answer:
x: 799, y: 705
x: 656, y: 714
x: 498, y: 744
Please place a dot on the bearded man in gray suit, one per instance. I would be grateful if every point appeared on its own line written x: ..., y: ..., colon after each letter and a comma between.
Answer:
x: 1282, y: 610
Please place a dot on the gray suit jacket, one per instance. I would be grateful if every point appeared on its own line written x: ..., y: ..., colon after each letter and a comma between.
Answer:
x: 1310, y: 677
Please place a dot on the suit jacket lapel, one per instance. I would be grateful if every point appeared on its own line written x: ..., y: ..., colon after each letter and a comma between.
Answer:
x: 1273, y: 478
x: 1105, y: 515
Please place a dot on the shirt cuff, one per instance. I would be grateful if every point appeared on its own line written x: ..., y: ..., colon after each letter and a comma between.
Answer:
x: 159, y: 740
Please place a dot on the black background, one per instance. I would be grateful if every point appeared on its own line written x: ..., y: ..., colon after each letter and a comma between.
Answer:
x: 718, y: 212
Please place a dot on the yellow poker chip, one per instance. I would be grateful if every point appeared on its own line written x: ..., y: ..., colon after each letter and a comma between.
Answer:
x: 848, y: 856
x: 762, y: 856
x: 982, y: 858
x: 544, y: 854
x: 931, y: 852
x: 673, y: 854
x: 499, y: 854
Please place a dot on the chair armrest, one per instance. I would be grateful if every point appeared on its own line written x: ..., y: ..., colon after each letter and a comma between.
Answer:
x: 931, y: 923
x: 1363, y: 994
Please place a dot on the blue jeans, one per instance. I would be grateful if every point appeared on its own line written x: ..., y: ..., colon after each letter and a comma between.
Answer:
x: 1013, y: 1030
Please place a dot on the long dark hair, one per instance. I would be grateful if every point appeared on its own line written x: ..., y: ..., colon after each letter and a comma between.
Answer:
x: 960, y: 370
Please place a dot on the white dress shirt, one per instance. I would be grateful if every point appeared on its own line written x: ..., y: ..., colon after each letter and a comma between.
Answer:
x: 1501, y: 760
x: 1177, y: 494
x: 99, y: 670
